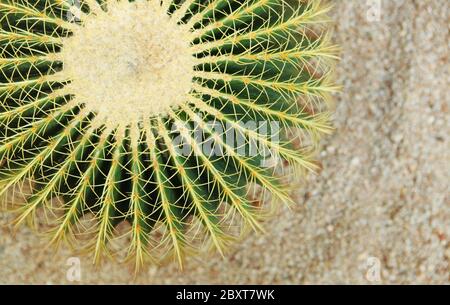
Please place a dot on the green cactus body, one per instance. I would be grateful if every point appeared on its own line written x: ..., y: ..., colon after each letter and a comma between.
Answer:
x: 147, y: 113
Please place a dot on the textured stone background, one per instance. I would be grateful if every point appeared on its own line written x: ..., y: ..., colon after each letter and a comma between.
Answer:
x: 384, y: 190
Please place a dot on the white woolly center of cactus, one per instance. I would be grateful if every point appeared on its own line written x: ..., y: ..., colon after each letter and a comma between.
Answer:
x: 129, y: 63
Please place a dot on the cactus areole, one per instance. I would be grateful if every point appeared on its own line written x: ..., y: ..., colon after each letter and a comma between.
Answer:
x: 148, y: 129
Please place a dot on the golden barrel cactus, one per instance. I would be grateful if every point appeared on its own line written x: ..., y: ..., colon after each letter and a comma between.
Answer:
x: 154, y: 128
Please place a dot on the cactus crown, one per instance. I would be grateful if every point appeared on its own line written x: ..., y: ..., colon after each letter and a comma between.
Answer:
x: 138, y: 53
x: 101, y: 105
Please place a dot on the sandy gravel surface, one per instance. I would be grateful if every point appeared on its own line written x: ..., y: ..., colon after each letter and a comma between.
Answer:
x: 383, y: 197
